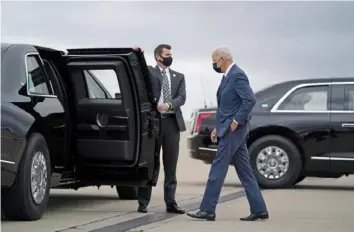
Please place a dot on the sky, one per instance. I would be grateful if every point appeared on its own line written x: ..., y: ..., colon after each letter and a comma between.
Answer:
x: 270, y: 41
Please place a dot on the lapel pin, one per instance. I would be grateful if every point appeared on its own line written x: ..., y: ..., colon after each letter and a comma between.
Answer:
x: 174, y: 75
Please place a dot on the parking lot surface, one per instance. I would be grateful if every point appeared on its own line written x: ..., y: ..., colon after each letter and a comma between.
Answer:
x: 313, y: 205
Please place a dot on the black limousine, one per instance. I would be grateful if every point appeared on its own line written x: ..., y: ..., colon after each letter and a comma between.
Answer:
x: 298, y: 129
x: 60, y: 127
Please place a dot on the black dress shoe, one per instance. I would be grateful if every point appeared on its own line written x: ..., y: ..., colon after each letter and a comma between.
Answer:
x: 174, y: 209
x: 203, y: 215
x: 142, y: 209
x: 255, y: 217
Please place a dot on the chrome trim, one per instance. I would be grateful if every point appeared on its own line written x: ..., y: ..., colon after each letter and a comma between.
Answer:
x: 314, y: 111
x: 207, y: 149
x: 41, y: 95
x: 120, y: 117
x: 59, y: 167
x: 348, y: 125
x: 27, y: 78
x: 331, y: 158
x: 287, y: 94
x: 142, y: 164
x: 320, y: 158
x: 7, y: 162
x: 98, y: 121
x: 342, y: 159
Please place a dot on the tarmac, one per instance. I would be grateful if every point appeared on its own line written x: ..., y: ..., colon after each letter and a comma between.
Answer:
x: 323, y: 205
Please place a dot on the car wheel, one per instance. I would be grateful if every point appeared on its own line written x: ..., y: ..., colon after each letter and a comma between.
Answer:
x: 27, y: 198
x: 301, y: 178
x: 276, y: 161
x: 127, y: 192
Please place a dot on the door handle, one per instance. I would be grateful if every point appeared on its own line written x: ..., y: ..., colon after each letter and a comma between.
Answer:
x: 120, y: 117
x: 101, y: 120
x: 348, y: 125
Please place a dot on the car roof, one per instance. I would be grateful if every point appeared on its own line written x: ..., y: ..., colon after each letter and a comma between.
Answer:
x: 5, y: 46
x: 287, y: 85
x: 319, y: 80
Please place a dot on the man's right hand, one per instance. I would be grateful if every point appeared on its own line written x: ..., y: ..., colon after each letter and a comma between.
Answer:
x: 137, y: 49
x: 213, y: 136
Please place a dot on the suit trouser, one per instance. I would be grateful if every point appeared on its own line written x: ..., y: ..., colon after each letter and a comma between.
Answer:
x: 170, y: 137
x: 232, y: 148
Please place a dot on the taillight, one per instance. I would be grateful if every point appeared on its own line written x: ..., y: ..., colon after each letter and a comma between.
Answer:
x: 200, y: 117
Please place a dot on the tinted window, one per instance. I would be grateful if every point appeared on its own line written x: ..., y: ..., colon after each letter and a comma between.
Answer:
x: 37, y: 83
x: 102, y: 84
x: 337, y: 97
x: 349, y: 97
x: 94, y: 90
x: 310, y: 98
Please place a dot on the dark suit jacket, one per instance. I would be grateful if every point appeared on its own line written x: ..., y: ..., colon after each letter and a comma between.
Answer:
x: 178, y: 91
x: 235, y: 100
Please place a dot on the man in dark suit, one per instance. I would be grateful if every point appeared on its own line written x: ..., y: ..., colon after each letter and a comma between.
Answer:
x: 170, y: 92
x: 235, y: 101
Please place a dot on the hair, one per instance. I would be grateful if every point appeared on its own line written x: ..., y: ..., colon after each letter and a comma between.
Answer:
x: 159, y: 48
x: 223, y: 52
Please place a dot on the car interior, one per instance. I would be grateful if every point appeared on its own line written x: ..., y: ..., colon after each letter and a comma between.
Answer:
x: 105, y: 124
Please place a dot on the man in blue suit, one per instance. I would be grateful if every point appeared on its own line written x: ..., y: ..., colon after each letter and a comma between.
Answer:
x: 235, y: 102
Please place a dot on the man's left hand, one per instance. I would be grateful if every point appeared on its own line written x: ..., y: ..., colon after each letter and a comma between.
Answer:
x: 163, y: 107
x: 233, y: 125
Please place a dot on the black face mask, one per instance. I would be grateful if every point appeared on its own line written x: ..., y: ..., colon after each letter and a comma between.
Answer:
x: 216, y: 68
x: 167, y: 61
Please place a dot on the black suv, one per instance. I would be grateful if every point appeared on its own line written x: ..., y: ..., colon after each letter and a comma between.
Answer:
x: 61, y: 126
x: 298, y: 129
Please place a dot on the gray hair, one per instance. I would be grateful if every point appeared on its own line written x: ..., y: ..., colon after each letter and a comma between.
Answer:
x: 224, y: 52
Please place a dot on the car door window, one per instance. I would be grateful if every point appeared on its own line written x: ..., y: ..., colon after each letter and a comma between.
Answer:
x: 349, y: 98
x: 102, y: 84
x: 37, y: 81
x: 310, y: 98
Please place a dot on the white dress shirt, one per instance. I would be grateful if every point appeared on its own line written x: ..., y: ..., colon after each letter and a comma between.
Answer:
x: 169, y: 84
x: 228, y: 69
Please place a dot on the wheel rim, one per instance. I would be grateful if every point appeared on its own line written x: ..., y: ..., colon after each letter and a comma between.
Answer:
x: 39, y: 177
x: 272, y: 162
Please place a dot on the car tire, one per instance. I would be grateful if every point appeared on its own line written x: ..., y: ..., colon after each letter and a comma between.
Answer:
x: 294, y: 157
x: 301, y: 178
x: 19, y: 203
x: 127, y: 192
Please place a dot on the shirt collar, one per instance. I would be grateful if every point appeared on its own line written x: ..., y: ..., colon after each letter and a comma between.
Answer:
x: 228, y: 69
x: 166, y: 69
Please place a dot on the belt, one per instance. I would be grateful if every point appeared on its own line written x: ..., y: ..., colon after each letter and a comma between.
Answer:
x: 167, y: 115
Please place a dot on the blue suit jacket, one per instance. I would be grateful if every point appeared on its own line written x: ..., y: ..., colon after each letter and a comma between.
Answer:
x: 235, y: 101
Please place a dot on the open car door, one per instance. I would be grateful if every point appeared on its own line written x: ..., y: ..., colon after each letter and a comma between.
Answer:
x: 117, y: 124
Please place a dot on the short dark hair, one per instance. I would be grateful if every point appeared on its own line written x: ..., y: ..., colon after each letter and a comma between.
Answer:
x: 159, y: 48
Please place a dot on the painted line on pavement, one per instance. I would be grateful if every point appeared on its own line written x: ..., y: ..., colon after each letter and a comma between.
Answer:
x: 160, y: 216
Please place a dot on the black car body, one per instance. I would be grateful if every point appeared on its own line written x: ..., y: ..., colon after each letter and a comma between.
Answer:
x: 298, y: 128
x: 61, y: 128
